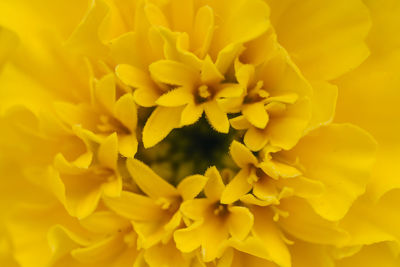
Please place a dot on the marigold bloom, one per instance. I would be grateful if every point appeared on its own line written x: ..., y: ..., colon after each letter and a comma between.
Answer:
x: 189, y: 133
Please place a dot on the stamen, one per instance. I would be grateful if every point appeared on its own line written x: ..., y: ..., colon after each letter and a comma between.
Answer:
x: 204, y: 92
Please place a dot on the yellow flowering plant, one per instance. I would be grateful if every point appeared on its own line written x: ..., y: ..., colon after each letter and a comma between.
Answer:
x: 164, y: 133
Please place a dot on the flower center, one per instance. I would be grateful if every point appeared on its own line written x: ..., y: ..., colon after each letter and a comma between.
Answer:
x: 204, y: 93
x: 189, y: 150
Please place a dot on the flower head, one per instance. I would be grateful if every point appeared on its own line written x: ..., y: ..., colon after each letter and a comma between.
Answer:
x: 191, y: 133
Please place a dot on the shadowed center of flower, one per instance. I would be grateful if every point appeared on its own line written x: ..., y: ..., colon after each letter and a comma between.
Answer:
x: 220, y: 210
x: 189, y: 150
x: 204, y: 93
x: 256, y: 94
x: 109, y: 124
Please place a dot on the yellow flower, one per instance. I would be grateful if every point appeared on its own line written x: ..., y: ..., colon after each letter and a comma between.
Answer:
x: 213, y: 222
x: 191, y: 133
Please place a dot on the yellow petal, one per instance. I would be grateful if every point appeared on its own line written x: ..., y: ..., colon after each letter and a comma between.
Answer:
x: 155, y: 16
x: 229, y: 90
x: 108, y: 152
x: 86, y: 39
x: 328, y: 39
x: 8, y: 41
x: 188, y: 239
x: 214, y: 186
x: 175, y: 98
x: 227, y: 56
x: 252, y: 200
x: 105, y: 92
x: 103, y: 250
x: 303, y: 187
x: 310, y: 255
x: 265, y: 189
x: 148, y: 181
x: 134, y: 77
x: 160, y: 123
x: 165, y: 255
x: 104, y: 222
x: 240, y: 222
x: 173, y: 73
x: 371, y: 222
x: 213, y: 236
x: 256, y: 114
x: 216, y: 117
x: 236, y: 188
x: 210, y: 73
x: 197, y: 209
x: 373, y: 255
x: 240, y: 123
x: 125, y: 111
x: 203, y: 30
x: 333, y: 153
x: 277, y: 169
x: 323, y: 103
x: 241, y: 155
x: 285, y: 131
x: 242, y: 22
x: 191, y: 186
x: 191, y: 114
x: 305, y: 224
x: 255, y: 139
x: 134, y: 207
x: 269, y: 233
x: 127, y: 145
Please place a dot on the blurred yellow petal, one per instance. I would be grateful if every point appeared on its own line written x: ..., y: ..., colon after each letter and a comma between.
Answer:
x: 351, y: 153
x: 328, y: 40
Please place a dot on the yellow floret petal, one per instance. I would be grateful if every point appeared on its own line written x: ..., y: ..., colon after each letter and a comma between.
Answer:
x: 175, y: 98
x: 191, y: 114
x: 203, y: 30
x: 191, y: 186
x: 267, y: 231
x: 242, y: 155
x: 236, y: 188
x: 188, y: 239
x: 165, y: 255
x: 209, y: 72
x: 86, y: 38
x: 108, y: 152
x: 307, y: 225
x: 134, y: 206
x: 351, y: 167
x: 255, y: 139
x: 107, y: 248
x: 174, y: 73
x: 105, y: 92
x: 155, y: 16
x: 152, y: 184
x: 214, y: 186
x: 216, y: 116
x: 125, y: 111
x: 133, y: 76
x: 196, y: 209
x: 8, y: 41
x: 127, y: 145
x: 328, y: 39
x: 160, y: 123
x: 285, y: 131
x: 240, y: 222
x: 243, y: 22
x: 323, y: 103
x: 256, y: 114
